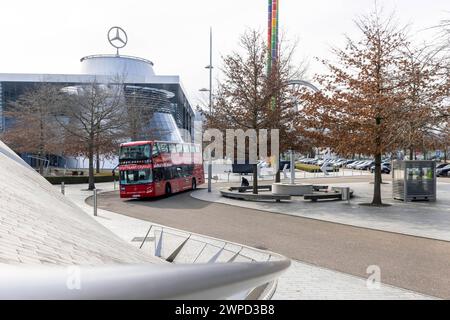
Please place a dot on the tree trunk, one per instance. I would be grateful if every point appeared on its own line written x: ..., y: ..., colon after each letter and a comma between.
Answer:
x: 91, y: 167
x: 97, y: 157
x: 411, y: 153
x: 41, y: 167
x: 255, y: 179
x: 278, y: 176
x: 377, y: 183
x: 277, y: 170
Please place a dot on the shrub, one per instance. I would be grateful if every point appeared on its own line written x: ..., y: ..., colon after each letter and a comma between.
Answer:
x: 79, y: 179
x: 310, y: 168
x: 307, y: 167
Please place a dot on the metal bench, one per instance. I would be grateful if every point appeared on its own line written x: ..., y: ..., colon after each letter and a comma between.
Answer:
x: 320, y: 188
x: 250, y: 188
x: 339, y: 190
x: 335, y: 194
x: 254, y: 197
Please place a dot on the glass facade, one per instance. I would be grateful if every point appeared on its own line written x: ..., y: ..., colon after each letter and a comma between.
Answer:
x: 162, y: 127
x: 163, y: 109
x: 1, y: 109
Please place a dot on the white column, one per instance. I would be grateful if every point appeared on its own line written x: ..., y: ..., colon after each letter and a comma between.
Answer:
x: 292, y: 167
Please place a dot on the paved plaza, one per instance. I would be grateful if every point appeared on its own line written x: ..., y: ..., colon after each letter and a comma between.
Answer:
x: 330, y: 260
x: 422, y: 219
x: 307, y: 282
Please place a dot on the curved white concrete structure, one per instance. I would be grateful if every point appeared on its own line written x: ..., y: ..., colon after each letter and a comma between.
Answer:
x: 38, y: 225
x: 42, y: 228
x: 292, y: 189
x: 134, y: 69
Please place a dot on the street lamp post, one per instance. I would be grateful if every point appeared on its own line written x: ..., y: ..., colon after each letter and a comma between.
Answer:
x: 210, y: 67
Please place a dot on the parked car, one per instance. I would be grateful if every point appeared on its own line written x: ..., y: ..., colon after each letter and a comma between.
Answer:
x: 320, y: 162
x: 342, y: 162
x: 348, y: 162
x: 443, y: 172
x: 363, y: 165
x: 385, y: 168
x: 354, y: 164
x: 366, y: 165
x: 442, y: 165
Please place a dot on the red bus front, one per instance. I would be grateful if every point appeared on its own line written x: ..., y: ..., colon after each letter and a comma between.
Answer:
x: 152, y: 168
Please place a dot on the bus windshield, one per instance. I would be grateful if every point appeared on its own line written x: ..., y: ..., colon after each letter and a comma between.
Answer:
x: 142, y: 176
x: 131, y: 153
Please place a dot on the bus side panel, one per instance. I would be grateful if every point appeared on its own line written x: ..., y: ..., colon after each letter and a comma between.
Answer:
x: 160, y: 188
x: 199, y: 174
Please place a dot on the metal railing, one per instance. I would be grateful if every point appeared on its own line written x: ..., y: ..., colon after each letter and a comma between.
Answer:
x: 222, y: 246
x: 195, y: 249
x: 144, y: 282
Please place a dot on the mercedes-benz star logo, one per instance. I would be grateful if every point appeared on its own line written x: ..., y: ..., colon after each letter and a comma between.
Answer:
x: 117, y: 37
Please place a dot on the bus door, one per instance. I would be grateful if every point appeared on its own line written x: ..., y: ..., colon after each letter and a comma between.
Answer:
x: 179, y: 179
x: 160, y: 186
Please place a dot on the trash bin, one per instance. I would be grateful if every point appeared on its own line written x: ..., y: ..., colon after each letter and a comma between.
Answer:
x: 346, y: 194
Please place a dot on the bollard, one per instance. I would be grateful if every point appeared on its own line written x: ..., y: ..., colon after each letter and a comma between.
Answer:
x: 114, y: 184
x: 209, y: 176
x: 63, y: 188
x: 95, y: 202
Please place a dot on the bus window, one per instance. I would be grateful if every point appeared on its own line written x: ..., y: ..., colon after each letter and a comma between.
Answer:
x: 163, y: 147
x: 179, y: 172
x: 132, y: 153
x: 188, y: 170
x: 172, y: 148
x: 186, y: 148
x: 158, y: 174
x: 130, y: 177
x: 167, y: 173
x: 179, y: 148
x: 155, y: 150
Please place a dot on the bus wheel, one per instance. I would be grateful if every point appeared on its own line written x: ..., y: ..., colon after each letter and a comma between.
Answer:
x: 194, y: 184
x: 168, y: 190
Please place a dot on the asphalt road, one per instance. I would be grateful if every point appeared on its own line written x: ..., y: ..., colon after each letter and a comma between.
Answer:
x: 413, y: 263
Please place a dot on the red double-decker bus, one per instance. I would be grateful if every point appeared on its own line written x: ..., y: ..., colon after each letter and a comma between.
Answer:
x: 156, y: 168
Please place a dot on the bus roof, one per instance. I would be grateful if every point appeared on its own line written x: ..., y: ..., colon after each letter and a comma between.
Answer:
x: 135, y: 143
x: 139, y: 143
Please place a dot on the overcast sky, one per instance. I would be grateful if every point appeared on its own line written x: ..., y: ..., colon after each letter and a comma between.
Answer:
x: 50, y: 36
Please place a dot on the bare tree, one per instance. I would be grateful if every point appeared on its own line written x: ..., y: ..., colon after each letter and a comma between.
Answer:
x: 34, y: 128
x: 251, y: 98
x: 92, y: 118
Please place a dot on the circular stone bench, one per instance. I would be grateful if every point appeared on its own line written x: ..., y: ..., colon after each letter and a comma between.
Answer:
x: 253, y: 197
x: 292, y: 189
